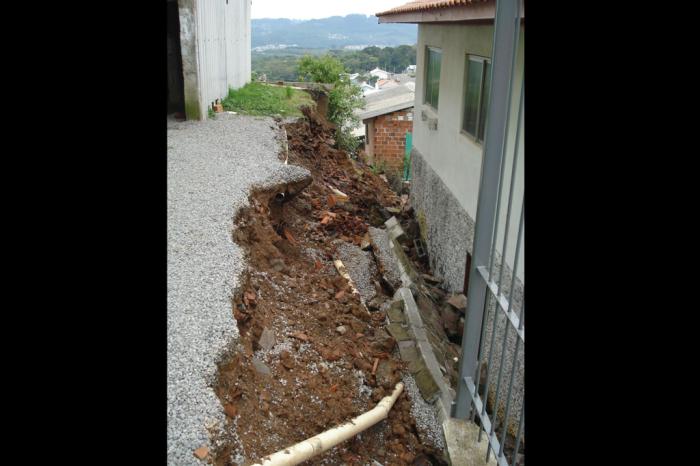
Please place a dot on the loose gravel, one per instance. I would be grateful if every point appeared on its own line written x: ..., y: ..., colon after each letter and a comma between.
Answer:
x: 361, y: 268
x: 429, y: 427
x: 212, y: 167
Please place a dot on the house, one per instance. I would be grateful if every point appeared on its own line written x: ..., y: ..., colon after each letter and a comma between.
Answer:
x: 385, y: 84
x: 455, y: 97
x: 379, y: 73
x: 367, y: 89
x: 410, y: 69
x: 208, y: 53
x: 387, y: 117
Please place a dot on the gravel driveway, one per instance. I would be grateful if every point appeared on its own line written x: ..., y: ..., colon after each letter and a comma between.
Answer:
x: 212, y: 166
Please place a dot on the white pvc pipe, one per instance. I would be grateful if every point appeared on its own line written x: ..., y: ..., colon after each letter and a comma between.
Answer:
x: 302, y: 451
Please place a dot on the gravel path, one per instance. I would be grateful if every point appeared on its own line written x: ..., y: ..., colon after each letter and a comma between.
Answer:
x: 212, y: 166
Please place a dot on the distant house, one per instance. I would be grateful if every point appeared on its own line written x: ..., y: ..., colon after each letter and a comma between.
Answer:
x: 208, y: 53
x: 410, y: 69
x: 386, y: 84
x: 387, y: 117
x: 379, y: 73
x: 367, y: 89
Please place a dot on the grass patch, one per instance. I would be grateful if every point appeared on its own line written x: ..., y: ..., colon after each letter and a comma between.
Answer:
x: 262, y: 99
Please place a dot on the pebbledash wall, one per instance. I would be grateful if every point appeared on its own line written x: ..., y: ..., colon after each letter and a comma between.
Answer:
x: 446, y: 169
x: 446, y: 162
x: 215, y: 44
x: 387, y: 138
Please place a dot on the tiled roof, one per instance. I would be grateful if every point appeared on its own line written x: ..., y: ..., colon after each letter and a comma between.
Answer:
x: 427, y: 5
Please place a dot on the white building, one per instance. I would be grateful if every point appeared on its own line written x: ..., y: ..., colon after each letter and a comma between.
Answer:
x: 379, y: 73
x: 208, y: 52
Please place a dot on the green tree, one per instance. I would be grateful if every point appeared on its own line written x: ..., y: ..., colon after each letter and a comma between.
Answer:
x: 343, y: 99
x: 323, y: 69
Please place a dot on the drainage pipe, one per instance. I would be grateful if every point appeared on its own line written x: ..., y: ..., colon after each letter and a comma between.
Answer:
x: 309, y: 448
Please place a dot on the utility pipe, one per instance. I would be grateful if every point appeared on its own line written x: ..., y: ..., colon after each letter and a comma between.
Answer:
x: 302, y: 451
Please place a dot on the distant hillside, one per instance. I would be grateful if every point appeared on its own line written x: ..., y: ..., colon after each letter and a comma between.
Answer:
x: 336, y: 32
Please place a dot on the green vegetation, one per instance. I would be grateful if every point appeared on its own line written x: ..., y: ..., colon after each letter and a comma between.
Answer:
x: 282, y: 65
x: 343, y: 100
x: 323, y: 69
x: 264, y: 99
x: 378, y: 167
x: 211, y: 113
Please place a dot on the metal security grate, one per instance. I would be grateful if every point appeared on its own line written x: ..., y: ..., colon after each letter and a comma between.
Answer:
x: 492, y: 365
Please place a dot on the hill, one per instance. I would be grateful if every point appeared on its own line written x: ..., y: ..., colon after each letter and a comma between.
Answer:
x: 337, y: 32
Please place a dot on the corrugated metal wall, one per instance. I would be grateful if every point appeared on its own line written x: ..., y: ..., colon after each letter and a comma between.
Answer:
x: 223, y: 46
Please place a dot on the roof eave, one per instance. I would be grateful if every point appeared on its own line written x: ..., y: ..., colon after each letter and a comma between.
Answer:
x: 383, y: 111
x: 461, y: 13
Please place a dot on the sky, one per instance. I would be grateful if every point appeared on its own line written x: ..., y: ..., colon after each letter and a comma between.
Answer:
x: 308, y: 9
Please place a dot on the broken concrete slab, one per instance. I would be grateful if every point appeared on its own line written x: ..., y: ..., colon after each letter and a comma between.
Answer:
x: 398, y: 332
x: 260, y: 367
x: 463, y: 446
x: 426, y: 384
x: 408, y: 351
x: 430, y: 314
x: 410, y: 307
x: 459, y: 301
x: 388, y: 266
x: 267, y: 339
x: 395, y: 312
x: 393, y: 228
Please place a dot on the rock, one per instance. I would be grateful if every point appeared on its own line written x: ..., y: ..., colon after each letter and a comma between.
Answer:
x: 300, y: 336
x: 277, y: 264
x: 267, y: 339
x: 341, y: 329
x: 376, y: 303
x: 366, y: 243
x: 362, y: 365
x: 430, y: 279
x: 450, y: 321
x: 387, y: 376
x: 230, y: 410
x: 383, y: 342
x: 201, y: 452
x: 287, y: 360
x: 260, y: 367
x: 459, y: 301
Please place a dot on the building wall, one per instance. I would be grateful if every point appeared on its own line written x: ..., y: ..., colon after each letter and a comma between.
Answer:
x: 388, y: 138
x: 452, y: 155
x: 215, y: 50
x: 446, y: 165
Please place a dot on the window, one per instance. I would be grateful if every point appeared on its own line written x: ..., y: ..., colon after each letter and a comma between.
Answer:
x: 476, y: 96
x: 433, y: 59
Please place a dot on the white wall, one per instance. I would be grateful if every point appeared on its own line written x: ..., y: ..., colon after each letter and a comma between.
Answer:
x: 452, y: 154
x: 223, y: 48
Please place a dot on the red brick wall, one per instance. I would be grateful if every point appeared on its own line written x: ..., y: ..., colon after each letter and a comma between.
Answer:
x: 390, y: 138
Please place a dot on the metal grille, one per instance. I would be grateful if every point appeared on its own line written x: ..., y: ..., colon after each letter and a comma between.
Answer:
x: 491, y: 388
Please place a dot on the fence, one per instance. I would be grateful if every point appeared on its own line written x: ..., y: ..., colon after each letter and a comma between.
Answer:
x: 493, y: 344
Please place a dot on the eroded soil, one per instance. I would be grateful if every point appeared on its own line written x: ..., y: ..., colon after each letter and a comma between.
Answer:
x: 311, y: 354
